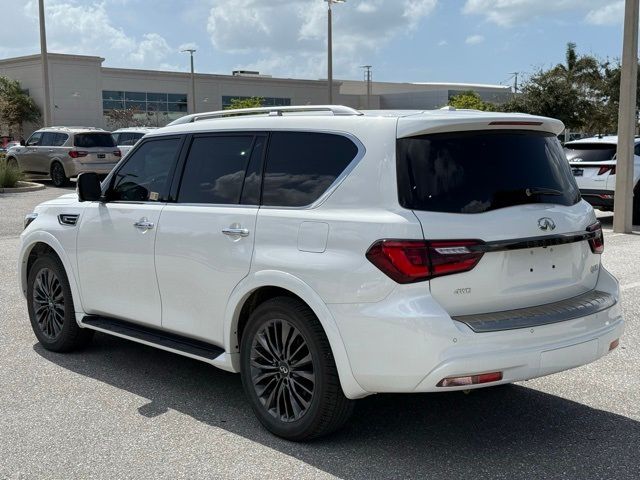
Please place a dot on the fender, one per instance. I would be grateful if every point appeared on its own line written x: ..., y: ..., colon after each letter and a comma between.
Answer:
x: 27, y: 244
x: 275, y: 278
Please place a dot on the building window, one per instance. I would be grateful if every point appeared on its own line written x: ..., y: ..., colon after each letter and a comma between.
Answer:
x: 145, y: 102
x: 267, y: 101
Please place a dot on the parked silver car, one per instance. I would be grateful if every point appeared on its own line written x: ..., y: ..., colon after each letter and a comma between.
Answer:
x: 126, y: 138
x: 65, y: 152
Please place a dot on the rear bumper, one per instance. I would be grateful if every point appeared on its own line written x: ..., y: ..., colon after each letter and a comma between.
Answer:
x: 408, y: 343
x: 598, y: 198
x: 75, y: 168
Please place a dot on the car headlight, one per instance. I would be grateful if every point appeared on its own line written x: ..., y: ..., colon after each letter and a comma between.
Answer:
x: 29, y: 218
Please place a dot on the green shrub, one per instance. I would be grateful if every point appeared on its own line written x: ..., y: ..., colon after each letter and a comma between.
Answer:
x: 9, y: 174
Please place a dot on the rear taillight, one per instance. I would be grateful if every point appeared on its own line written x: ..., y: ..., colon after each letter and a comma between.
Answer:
x: 409, y: 261
x: 77, y: 153
x: 607, y: 168
x: 117, y: 153
x: 597, y: 242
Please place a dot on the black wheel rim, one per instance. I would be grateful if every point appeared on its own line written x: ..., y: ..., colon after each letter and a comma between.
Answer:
x: 57, y: 174
x: 48, y: 303
x: 282, y: 370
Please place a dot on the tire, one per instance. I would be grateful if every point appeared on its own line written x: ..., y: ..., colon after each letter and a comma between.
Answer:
x: 292, y: 384
x: 58, y: 177
x: 51, y: 309
x: 12, y: 162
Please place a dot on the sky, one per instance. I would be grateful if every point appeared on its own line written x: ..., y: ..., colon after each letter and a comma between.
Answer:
x: 471, y: 41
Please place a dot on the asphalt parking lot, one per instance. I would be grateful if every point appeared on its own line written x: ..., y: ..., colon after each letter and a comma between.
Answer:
x: 122, y: 410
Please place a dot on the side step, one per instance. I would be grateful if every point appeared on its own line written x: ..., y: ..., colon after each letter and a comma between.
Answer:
x: 162, y: 339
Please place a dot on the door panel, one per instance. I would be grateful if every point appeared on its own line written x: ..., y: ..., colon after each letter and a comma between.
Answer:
x: 198, y: 265
x: 116, y: 264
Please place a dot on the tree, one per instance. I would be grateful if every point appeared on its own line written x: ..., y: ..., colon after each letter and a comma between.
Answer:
x: 239, y: 103
x: 124, y: 117
x: 16, y: 107
x: 470, y: 100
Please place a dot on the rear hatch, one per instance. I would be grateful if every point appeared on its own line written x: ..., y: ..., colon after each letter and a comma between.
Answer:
x: 509, y: 200
x: 592, y: 164
x: 96, y: 147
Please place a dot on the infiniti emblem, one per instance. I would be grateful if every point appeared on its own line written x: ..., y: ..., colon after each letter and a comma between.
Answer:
x: 545, y: 223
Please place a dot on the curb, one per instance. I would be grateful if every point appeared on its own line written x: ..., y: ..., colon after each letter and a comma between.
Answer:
x: 24, y: 187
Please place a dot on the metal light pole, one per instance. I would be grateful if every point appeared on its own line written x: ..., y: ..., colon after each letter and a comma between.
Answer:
x: 330, y: 47
x: 193, y: 80
x: 367, y: 78
x: 627, y: 120
x: 45, y: 67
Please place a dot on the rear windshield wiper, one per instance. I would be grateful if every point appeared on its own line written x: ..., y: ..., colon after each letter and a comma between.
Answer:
x: 542, y: 191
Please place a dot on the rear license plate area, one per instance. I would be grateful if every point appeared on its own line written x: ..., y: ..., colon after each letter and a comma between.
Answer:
x: 578, y: 172
x: 101, y: 155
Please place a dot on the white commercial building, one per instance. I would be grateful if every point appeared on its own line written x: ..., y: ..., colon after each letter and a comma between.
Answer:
x: 82, y: 90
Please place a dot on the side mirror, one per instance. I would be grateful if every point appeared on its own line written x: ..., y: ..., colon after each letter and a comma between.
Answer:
x: 89, y: 187
x: 22, y: 143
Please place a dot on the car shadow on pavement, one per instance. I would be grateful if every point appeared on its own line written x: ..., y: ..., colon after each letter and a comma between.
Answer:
x: 503, y: 432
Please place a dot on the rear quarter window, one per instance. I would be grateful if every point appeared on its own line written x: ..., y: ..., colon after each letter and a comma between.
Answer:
x: 301, y: 166
x: 94, y: 140
x: 478, y: 171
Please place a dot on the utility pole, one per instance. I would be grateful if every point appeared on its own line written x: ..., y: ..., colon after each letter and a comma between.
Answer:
x: 193, y: 80
x: 45, y: 67
x: 515, y: 81
x: 367, y: 78
x: 330, y: 46
x: 627, y: 121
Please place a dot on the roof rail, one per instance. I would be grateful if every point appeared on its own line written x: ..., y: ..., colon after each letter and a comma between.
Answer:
x: 336, y: 110
x: 74, y: 127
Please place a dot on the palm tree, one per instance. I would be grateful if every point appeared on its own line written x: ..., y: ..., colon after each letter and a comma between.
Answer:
x: 16, y: 107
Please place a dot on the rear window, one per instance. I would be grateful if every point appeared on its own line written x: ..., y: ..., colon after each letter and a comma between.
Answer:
x: 590, y: 152
x: 474, y: 172
x: 94, y: 140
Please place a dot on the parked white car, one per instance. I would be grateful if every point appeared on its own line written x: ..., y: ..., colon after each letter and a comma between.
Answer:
x: 327, y: 255
x: 126, y: 138
x: 593, y: 161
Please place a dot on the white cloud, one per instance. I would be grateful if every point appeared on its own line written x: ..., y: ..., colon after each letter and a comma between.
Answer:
x: 443, y: 43
x: 474, y: 39
x: 290, y: 37
x: 85, y: 29
x: 511, y: 12
x: 608, y: 15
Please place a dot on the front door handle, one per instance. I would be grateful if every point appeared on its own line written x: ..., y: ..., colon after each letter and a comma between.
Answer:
x: 144, y: 224
x: 236, y: 232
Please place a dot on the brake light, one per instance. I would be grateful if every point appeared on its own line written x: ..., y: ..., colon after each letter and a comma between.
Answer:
x: 409, y: 261
x: 117, y: 153
x: 607, y: 168
x: 77, y: 153
x: 596, y: 243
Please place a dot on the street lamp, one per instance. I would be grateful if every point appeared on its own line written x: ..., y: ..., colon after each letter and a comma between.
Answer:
x: 367, y: 78
x: 193, y: 79
x: 330, y: 47
x: 45, y: 67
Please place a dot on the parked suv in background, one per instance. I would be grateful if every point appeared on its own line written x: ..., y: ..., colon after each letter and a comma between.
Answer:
x: 126, y: 138
x: 327, y: 254
x: 65, y: 152
x: 593, y: 161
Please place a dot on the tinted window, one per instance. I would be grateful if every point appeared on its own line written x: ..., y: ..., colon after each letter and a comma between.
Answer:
x: 253, y: 178
x: 130, y: 138
x: 48, y: 139
x: 301, y: 166
x: 146, y: 174
x: 215, y: 169
x: 60, y: 139
x: 475, y: 172
x: 93, y: 140
x: 590, y: 152
x: 34, y: 139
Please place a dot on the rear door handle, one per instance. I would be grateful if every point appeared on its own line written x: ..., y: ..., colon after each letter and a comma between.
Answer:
x: 233, y: 232
x: 144, y: 224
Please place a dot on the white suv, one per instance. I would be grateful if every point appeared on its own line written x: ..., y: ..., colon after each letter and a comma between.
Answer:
x: 593, y: 161
x: 126, y: 138
x: 327, y: 254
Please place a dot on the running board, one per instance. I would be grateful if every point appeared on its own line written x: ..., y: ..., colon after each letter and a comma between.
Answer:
x: 154, y: 337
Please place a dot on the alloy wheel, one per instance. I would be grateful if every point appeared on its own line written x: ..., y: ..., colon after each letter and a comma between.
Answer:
x: 48, y: 303
x: 282, y: 370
